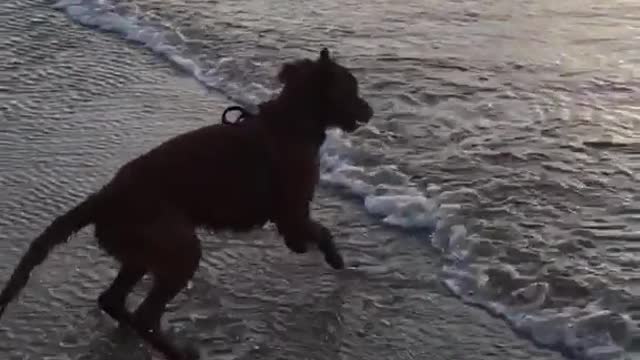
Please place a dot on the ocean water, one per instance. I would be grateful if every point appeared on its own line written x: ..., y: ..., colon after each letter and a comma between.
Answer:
x: 505, y: 150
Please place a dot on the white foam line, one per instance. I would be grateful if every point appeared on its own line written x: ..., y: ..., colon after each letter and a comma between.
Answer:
x: 101, y: 14
x: 387, y: 193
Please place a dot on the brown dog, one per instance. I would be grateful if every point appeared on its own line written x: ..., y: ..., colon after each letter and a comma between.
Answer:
x: 224, y: 176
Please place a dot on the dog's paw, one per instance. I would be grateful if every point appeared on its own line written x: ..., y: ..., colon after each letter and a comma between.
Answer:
x: 324, y: 239
x: 334, y: 259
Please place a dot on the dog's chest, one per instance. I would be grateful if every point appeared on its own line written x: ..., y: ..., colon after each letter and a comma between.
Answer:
x: 234, y: 195
x: 252, y: 190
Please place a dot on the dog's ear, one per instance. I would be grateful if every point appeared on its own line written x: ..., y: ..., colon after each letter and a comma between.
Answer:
x: 294, y: 70
x: 324, y: 55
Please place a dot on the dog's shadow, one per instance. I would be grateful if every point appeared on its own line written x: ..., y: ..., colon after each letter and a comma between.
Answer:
x: 109, y: 341
x: 112, y: 342
x: 118, y: 343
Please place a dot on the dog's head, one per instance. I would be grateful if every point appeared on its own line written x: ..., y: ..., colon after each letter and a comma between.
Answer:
x: 328, y: 92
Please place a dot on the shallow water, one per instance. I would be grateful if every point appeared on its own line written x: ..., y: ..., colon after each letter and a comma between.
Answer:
x: 504, y: 153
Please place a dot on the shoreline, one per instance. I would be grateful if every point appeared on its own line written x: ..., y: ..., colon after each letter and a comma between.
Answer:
x: 93, y: 110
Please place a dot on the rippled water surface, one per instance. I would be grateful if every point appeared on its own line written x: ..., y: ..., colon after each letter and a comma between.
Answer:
x: 501, y: 170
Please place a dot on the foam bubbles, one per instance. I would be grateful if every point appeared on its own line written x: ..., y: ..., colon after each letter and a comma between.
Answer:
x: 407, y: 211
x: 104, y: 15
x: 589, y: 333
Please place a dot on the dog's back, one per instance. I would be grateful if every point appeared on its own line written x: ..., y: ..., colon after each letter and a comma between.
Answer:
x: 215, y: 176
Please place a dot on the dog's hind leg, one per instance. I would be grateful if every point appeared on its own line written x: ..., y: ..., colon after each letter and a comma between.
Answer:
x: 113, y: 299
x: 172, y: 270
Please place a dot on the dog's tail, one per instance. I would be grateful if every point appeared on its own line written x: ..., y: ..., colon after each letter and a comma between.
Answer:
x: 56, y: 233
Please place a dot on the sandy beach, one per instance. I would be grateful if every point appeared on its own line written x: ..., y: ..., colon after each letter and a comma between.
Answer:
x: 76, y: 103
x: 74, y: 108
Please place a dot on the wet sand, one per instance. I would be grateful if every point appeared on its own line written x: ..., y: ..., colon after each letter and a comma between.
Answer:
x: 74, y: 106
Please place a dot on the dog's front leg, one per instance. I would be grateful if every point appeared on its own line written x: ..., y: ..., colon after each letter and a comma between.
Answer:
x: 297, y: 176
x: 324, y: 239
x: 299, y: 230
